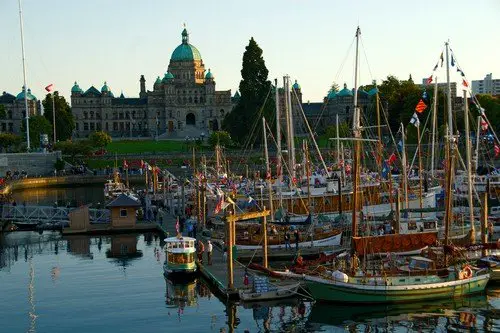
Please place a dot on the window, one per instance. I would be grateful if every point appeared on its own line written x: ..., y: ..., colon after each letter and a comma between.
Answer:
x: 123, y: 212
x: 115, y: 126
x: 85, y: 126
x: 85, y: 115
x: 92, y: 126
x: 91, y: 114
x: 106, y: 127
x: 77, y: 126
x: 4, y: 127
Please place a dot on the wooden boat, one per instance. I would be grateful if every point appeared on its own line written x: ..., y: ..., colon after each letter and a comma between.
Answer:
x: 180, y: 256
x: 398, y: 288
x: 270, y: 293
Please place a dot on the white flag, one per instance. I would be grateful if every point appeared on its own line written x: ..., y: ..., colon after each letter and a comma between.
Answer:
x: 414, y: 120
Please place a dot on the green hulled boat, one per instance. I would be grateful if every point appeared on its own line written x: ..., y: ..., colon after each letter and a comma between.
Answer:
x: 405, y: 288
x: 180, y: 256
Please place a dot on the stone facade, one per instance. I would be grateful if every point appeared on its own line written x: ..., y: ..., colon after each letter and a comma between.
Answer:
x: 15, y: 111
x: 182, y: 103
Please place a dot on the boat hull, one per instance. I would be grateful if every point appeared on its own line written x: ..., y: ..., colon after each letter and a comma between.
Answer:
x: 328, y: 241
x: 331, y: 291
x: 282, y: 292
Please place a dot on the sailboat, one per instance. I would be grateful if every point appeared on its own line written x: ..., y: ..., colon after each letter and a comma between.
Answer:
x: 422, y: 278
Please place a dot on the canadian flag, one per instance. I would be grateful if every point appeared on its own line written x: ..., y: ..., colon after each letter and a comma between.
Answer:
x: 50, y: 87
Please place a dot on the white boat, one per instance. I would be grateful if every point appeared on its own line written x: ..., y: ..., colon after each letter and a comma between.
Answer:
x: 269, y: 293
x: 324, y: 242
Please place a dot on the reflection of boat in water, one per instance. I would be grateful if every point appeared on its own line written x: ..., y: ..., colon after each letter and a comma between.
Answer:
x: 180, y: 256
x: 423, y: 315
x: 180, y: 294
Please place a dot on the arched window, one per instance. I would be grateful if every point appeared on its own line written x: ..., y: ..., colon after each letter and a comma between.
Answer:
x: 85, y: 115
x: 190, y: 100
x: 222, y: 112
x: 195, y: 100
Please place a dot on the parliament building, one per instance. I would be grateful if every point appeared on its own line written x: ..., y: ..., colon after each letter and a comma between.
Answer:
x: 182, y: 103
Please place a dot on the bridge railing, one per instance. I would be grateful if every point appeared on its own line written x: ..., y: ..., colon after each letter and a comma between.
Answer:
x: 48, y: 214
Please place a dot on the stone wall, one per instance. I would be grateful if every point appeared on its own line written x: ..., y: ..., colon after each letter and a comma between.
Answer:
x: 35, y: 164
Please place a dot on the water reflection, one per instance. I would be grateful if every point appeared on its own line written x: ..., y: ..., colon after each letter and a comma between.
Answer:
x: 440, y: 316
x: 123, y: 249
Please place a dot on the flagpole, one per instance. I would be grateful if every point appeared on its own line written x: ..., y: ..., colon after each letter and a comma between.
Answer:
x: 24, y: 77
x: 420, y: 170
x: 469, y: 165
x: 405, y: 187
x: 434, y: 126
x: 54, y: 116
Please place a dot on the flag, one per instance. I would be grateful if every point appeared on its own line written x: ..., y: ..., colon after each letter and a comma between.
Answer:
x: 452, y: 60
x: 420, y: 106
x: 385, y: 169
x: 268, y: 175
x: 391, y: 159
x: 465, y: 84
x: 414, y: 120
x: 429, y: 80
x: 49, y: 88
x: 400, y: 146
x: 142, y: 164
x: 442, y: 59
x: 125, y: 164
x: 484, y: 125
x: 348, y: 169
x: 218, y: 206
x: 435, y: 67
x: 425, y: 96
x: 177, y: 226
x: 497, y: 150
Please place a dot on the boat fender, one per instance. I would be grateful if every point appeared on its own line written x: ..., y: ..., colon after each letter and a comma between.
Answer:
x: 466, y: 272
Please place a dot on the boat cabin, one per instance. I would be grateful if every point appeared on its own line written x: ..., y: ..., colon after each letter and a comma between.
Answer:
x: 418, y: 264
x: 180, y: 252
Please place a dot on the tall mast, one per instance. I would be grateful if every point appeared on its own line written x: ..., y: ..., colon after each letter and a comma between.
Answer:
x: 356, y: 129
x: 268, y: 169
x: 469, y: 164
x: 434, y: 126
x: 405, y: 172
x: 338, y: 137
x: 476, y: 153
x: 292, y: 130
x: 288, y: 128
x: 24, y: 76
x: 420, y: 170
x: 278, y: 143
x: 450, y: 153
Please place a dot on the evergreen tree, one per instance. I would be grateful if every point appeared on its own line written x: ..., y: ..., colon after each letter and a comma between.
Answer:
x: 254, y: 88
x: 38, y: 125
x: 65, y: 123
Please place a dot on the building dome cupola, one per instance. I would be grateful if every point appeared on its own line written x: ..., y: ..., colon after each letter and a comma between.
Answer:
x: 185, y: 51
x: 105, y: 88
x: 209, y: 75
x: 168, y: 77
x: 296, y: 86
x: 76, y: 89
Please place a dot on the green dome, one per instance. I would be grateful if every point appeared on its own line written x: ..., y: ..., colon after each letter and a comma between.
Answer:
x: 158, y: 80
x: 236, y: 94
x: 30, y: 96
x: 331, y: 94
x: 105, y: 87
x: 209, y: 75
x: 168, y: 76
x: 185, y: 51
x: 76, y: 88
x: 373, y: 91
x: 345, y: 92
x: 296, y: 85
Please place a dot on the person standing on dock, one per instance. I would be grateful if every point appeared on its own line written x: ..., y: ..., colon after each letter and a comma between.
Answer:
x: 287, y: 241
x: 297, y: 238
x: 210, y: 248
x: 201, y: 249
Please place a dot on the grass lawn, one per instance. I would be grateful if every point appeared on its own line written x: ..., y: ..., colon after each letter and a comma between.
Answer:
x: 145, y: 146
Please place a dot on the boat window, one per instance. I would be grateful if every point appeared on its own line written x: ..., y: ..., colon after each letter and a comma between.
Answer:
x: 401, y: 280
x: 180, y: 258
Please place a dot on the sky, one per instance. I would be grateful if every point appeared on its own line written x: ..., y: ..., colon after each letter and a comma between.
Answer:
x: 312, y: 41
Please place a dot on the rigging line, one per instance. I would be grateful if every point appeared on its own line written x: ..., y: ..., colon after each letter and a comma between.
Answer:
x: 419, y: 142
x: 345, y: 59
x: 366, y: 58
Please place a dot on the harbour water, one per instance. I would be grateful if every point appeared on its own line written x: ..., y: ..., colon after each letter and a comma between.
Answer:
x: 54, y: 283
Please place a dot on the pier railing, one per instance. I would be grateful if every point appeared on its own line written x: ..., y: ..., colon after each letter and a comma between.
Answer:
x: 48, y: 214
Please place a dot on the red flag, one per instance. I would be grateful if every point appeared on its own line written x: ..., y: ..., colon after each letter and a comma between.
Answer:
x: 484, y: 125
x: 420, y: 106
x: 268, y: 175
x: 465, y: 84
x: 142, y: 164
x: 348, y: 169
x: 391, y: 159
x: 125, y: 164
x: 429, y: 80
x: 49, y: 88
x: 497, y: 150
x: 218, y: 206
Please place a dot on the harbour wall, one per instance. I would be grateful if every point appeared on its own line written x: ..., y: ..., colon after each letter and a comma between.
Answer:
x: 35, y: 164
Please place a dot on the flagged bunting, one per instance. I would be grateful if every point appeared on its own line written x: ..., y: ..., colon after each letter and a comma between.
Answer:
x: 497, y: 150
x: 420, y: 106
x: 442, y: 59
x: 452, y: 60
x: 125, y: 164
x: 429, y: 79
x: 391, y: 159
x: 50, y: 87
x: 464, y: 83
x: 414, y: 120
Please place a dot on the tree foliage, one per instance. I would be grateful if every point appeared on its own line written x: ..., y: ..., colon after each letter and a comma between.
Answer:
x: 65, y: 123
x: 74, y: 148
x: 254, y: 88
x: 99, y: 139
x: 221, y: 138
x: 38, y: 125
x: 8, y: 140
x: 491, y: 105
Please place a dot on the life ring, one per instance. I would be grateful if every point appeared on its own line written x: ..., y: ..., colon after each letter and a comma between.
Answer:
x: 466, y: 273
x: 300, y: 261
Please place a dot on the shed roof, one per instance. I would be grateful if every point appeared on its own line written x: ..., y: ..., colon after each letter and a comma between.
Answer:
x: 123, y: 200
